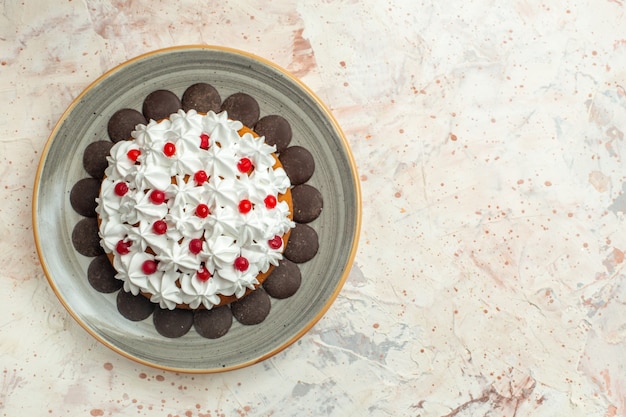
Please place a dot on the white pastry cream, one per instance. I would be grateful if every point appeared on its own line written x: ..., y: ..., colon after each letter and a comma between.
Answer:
x: 190, y: 210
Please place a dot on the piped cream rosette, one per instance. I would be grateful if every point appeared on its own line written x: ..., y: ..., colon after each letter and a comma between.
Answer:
x: 194, y: 211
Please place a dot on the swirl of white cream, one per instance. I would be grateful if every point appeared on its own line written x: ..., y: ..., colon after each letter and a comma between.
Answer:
x: 220, y: 192
x: 221, y: 162
x: 129, y: 270
x: 226, y: 221
x: 151, y: 176
x: 187, y: 125
x: 219, y: 252
x: 144, y: 236
x: 111, y: 232
x: 186, y: 221
x: 251, y: 228
x: 251, y: 190
x: 163, y: 289
x: 276, y: 221
x: 262, y: 255
x: 187, y: 159
x: 177, y: 256
x: 259, y: 152
x: 108, y: 202
x: 237, y: 282
x: 190, y: 157
x: 120, y: 165
x: 139, y: 207
x: 146, y: 135
x: 220, y: 127
x: 274, y: 181
x: 183, y: 192
x: 196, y: 291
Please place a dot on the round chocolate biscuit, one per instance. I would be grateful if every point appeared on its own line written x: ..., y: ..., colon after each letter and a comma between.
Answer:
x: 307, y: 203
x: 303, y: 244
x: 201, y: 97
x: 298, y: 163
x: 242, y: 107
x: 276, y: 129
x: 123, y: 122
x: 134, y: 307
x: 95, y: 157
x: 85, y: 237
x: 213, y: 323
x: 284, y: 280
x: 83, y: 196
x: 253, y: 308
x: 101, y: 275
x: 172, y: 323
x: 160, y: 104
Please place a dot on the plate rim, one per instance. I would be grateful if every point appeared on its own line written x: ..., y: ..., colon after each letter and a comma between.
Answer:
x: 330, y: 118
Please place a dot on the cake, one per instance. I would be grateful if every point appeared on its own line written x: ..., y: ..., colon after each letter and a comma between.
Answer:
x: 227, y: 279
x: 195, y: 210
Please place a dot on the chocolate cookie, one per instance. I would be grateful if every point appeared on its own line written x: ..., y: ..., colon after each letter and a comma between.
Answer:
x: 134, y: 307
x: 307, y: 203
x: 95, y: 157
x: 213, y: 323
x: 242, y: 107
x: 172, y: 323
x: 101, y: 275
x: 276, y: 129
x: 83, y: 196
x: 284, y: 280
x: 160, y: 104
x: 253, y: 308
x: 298, y: 163
x: 85, y: 237
x: 201, y: 97
x: 123, y: 122
x: 303, y: 244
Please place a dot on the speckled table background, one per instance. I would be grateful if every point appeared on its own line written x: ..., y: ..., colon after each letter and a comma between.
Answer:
x: 489, y: 138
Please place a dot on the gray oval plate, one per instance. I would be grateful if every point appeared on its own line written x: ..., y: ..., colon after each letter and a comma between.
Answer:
x: 175, y: 69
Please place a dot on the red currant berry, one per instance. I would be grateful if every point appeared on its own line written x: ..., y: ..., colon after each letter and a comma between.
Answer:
x: 122, y: 247
x: 157, y: 196
x: 245, y: 206
x: 133, y: 154
x: 159, y: 227
x: 202, y: 210
x: 203, y: 274
x: 149, y: 267
x: 169, y: 149
x: 270, y: 201
x: 204, y: 141
x: 276, y: 242
x: 121, y: 188
x: 200, y: 177
x: 195, y: 246
x: 244, y: 165
x: 241, y: 263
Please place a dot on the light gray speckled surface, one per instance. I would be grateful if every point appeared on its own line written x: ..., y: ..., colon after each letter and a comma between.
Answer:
x: 489, y: 137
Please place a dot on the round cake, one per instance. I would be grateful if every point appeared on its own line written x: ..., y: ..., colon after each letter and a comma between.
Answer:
x: 180, y: 235
x: 194, y: 210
